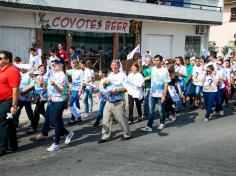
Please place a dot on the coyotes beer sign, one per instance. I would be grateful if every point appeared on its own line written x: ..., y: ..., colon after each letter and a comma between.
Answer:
x: 81, y: 23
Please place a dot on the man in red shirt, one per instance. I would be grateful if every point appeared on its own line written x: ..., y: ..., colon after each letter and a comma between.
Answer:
x: 63, y: 54
x: 9, y: 88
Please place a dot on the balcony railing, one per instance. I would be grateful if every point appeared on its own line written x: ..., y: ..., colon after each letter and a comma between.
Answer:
x: 181, y: 3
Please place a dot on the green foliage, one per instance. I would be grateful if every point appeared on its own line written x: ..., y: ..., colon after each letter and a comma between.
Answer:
x: 212, y: 46
x: 226, y: 48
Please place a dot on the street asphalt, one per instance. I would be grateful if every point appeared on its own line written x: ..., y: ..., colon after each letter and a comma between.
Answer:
x: 188, y: 146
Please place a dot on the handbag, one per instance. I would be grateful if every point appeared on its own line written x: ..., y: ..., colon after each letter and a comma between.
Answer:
x: 34, y: 98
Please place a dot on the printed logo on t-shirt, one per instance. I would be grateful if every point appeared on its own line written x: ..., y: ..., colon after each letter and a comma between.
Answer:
x: 209, y: 86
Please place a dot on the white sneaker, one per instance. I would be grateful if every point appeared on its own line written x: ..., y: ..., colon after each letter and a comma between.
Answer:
x: 161, y: 126
x: 85, y: 115
x: 69, y: 137
x: 221, y: 113
x: 214, y: 113
x: 146, y: 129
x: 173, y: 117
x: 54, y: 147
x: 206, y: 119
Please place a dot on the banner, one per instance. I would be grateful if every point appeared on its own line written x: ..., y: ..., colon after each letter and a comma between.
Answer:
x: 81, y: 23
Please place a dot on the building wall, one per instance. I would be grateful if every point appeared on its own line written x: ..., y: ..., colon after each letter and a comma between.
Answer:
x: 170, y: 33
x: 135, y: 8
x: 17, y: 32
x: 223, y: 34
x: 218, y: 3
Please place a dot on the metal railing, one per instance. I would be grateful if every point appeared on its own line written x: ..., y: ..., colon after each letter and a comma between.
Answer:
x: 181, y: 4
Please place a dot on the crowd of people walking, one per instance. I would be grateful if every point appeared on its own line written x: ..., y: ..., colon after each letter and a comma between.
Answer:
x: 172, y: 84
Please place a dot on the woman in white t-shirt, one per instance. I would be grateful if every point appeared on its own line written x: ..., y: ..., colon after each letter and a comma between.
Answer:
x: 57, y: 91
x: 75, y: 73
x: 86, y: 80
x: 135, y: 81
x: 181, y: 71
x: 221, y: 72
x: 90, y: 87
x: 196, y: 86
x: 210, y: 81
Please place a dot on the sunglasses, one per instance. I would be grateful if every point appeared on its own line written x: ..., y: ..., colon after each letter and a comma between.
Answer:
x: 218, y: 64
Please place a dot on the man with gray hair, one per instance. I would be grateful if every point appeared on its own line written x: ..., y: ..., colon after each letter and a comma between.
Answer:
x: 115, y: 106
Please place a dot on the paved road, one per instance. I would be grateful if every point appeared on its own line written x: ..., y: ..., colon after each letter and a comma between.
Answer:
x: 188, y: 146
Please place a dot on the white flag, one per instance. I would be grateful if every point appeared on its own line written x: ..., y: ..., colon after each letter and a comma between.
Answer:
x: 135, y: 50
x: 229, y: 53
x: 75, y: 111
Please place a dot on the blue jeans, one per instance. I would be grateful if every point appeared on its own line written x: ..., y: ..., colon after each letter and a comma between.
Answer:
x: 218, y: 100
x: 209, y: 99
x: 195, y: 91
x: 28, y: 109
x: 53, y: 116
x: 46, y: 124
x: 100, y: 111
x: 88, y: 101
x: 152, y: 104
x: 146, y: 102
x: 74, y: 98
x: 179, y: 103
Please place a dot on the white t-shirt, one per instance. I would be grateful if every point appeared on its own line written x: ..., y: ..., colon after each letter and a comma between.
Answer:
x: 92, y: 73
x: 228, y: 73
x: 61, y: 81
x: 222, y: 76
x: 116, y: 81
x: 234, y: 65
x: 26, y: 80
x: 159, y: 77
x: 76, y: 80
x: 181, y: 69
x: 35, y: 62
x: 85, y: 75
x: 197, y: 75
x: 135, y: 82
x: 209, y: 85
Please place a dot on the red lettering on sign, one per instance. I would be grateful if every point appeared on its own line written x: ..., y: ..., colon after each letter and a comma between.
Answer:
x: 108, y: 24
x: 87, y: 21
x: 125, y: 25
x: 64, y: 22
x: 54, y: 21
x: 113, y: 25
x: 99, y: 24
x: 80, y: 23
x: 93, y: 24
x: 119, y: 26
x: 72, y: 22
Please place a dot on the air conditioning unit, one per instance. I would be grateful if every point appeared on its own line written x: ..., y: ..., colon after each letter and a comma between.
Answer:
x: 201, y: 29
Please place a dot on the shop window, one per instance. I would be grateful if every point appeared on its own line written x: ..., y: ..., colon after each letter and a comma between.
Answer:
x: 192, y: 45
x: 233, y: 14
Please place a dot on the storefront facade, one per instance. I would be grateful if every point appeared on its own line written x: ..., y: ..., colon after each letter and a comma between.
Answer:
x: 111, y: 32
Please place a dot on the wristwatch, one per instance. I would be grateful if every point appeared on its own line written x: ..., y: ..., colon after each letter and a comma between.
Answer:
x: 14, y: 106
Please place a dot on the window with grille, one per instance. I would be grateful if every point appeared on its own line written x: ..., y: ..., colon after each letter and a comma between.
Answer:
x: 233, y: 14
